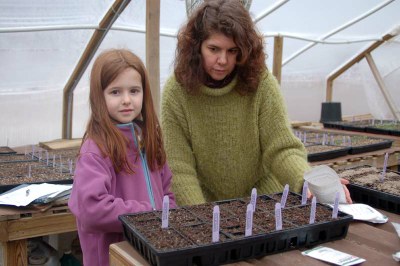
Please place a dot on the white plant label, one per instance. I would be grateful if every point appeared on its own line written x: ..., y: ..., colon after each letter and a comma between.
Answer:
x: 284, y: 196
x: 253, y: 198
x: 304, y: 193
x: 313, y: 210
x: 165, y: 212
x: 278, y: 216
x: 335, y: 206
x: 215, y: 224
x: 249, y: 220
x: 383, y: 174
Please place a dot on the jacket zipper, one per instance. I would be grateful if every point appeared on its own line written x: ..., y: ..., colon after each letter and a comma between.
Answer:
x: 144, y: 165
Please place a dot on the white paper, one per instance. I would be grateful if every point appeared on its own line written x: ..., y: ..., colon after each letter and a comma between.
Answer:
x: 332, y: 256
x: 323, y: 183
x: 396, y: 227
x: 25, y: 194
x: 363, y: 212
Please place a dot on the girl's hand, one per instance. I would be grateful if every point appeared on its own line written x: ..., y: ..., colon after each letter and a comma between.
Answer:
x: 344, y: 182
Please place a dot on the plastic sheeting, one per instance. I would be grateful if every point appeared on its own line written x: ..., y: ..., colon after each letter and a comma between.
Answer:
x: 36, y: 62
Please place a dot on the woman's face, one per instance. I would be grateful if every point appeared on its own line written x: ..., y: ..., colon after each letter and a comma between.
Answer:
x: 218, y: 54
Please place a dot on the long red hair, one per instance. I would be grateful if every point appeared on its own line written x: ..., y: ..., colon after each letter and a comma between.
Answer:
x: 102, y: 129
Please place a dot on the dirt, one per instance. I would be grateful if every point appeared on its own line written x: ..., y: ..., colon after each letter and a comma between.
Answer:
x: 370, y: 177
x: 191, y: 226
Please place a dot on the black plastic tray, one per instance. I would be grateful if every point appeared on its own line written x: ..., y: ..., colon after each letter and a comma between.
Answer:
x: 384, y: 144
x: 233, y: 250
x: 375, y: 198
x: 327, y: 155
x: 381, y: 131
x: 6, y: 150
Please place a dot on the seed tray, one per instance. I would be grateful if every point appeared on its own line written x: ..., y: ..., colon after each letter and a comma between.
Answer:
x: 375, y: 130
x: 378, y: 199
x: 6, y: 150
x: 232, y: 247
x: 384, y: 144
x: 327, y: 155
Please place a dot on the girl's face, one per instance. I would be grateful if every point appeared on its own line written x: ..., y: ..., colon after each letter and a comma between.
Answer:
x: 124, y: 96
x: 218, y: 54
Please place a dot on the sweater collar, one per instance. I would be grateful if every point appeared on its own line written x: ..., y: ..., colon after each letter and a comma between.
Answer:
x: 220, y: 91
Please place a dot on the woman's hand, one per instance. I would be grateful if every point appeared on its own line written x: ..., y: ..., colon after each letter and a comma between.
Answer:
x: 346, y: 191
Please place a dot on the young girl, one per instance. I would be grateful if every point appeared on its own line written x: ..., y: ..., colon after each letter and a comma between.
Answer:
x: 122, y: 165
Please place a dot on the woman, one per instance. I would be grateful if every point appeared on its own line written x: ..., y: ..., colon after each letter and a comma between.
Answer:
x: 224, y: 120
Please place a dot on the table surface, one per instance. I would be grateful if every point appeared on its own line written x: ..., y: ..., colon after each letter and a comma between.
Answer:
x: 374, y: 242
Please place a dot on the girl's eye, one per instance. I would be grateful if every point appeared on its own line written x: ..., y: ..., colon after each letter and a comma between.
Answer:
x: 212, y: 49
x: 114, y: 92
x: 234, y: 51
x: 134, y: 91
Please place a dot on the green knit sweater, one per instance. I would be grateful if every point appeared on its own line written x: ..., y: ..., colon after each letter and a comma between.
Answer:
x: 220, y: 144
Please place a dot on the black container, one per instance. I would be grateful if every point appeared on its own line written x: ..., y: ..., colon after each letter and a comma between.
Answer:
x: 385, y: 144
x: 331, y: 111
x: 232, y: 250
x: 6, y: 150
x: 375, y: 198
x: 328, y: 155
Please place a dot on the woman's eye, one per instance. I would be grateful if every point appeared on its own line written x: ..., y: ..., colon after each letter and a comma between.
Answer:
x: 234, y: 51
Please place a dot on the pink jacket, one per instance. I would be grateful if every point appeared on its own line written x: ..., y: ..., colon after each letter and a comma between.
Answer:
x: 99, y: 196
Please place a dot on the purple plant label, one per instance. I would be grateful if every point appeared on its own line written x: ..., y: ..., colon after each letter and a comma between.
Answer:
x: 324, y: 139
x: 284, y: 196
x: 165, y: 212
x: 383, y: 174
x: 344, y: 140
x: 215, y: 224
x: 348, y: 140
x: 33, y: 151
x: 313, y: 209
x: 278, y: 216
x: 335, y: 206
x: 332, y: 140
x: 304, y: 193
x: 300, y: 136
x: 317, y: 137
x: 54, y: 160
x: 47, y: 158
x: 253, y: 199
x: 305, y: 137
x: 29, y: 171
x: 249, y: 220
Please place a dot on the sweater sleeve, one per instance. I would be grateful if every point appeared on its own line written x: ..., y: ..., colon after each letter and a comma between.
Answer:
x: 185, y: 183
x: 91, y: 201
x: 283, y: 154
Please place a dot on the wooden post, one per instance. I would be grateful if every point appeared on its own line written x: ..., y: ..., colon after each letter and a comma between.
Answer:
x: 356, y: 59
x: 153, y: 49
x: 382, y: 86
x: 94, y: 43
x: 277, y: 64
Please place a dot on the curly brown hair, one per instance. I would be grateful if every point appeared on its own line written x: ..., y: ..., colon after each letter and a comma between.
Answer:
x: 230, y: 18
